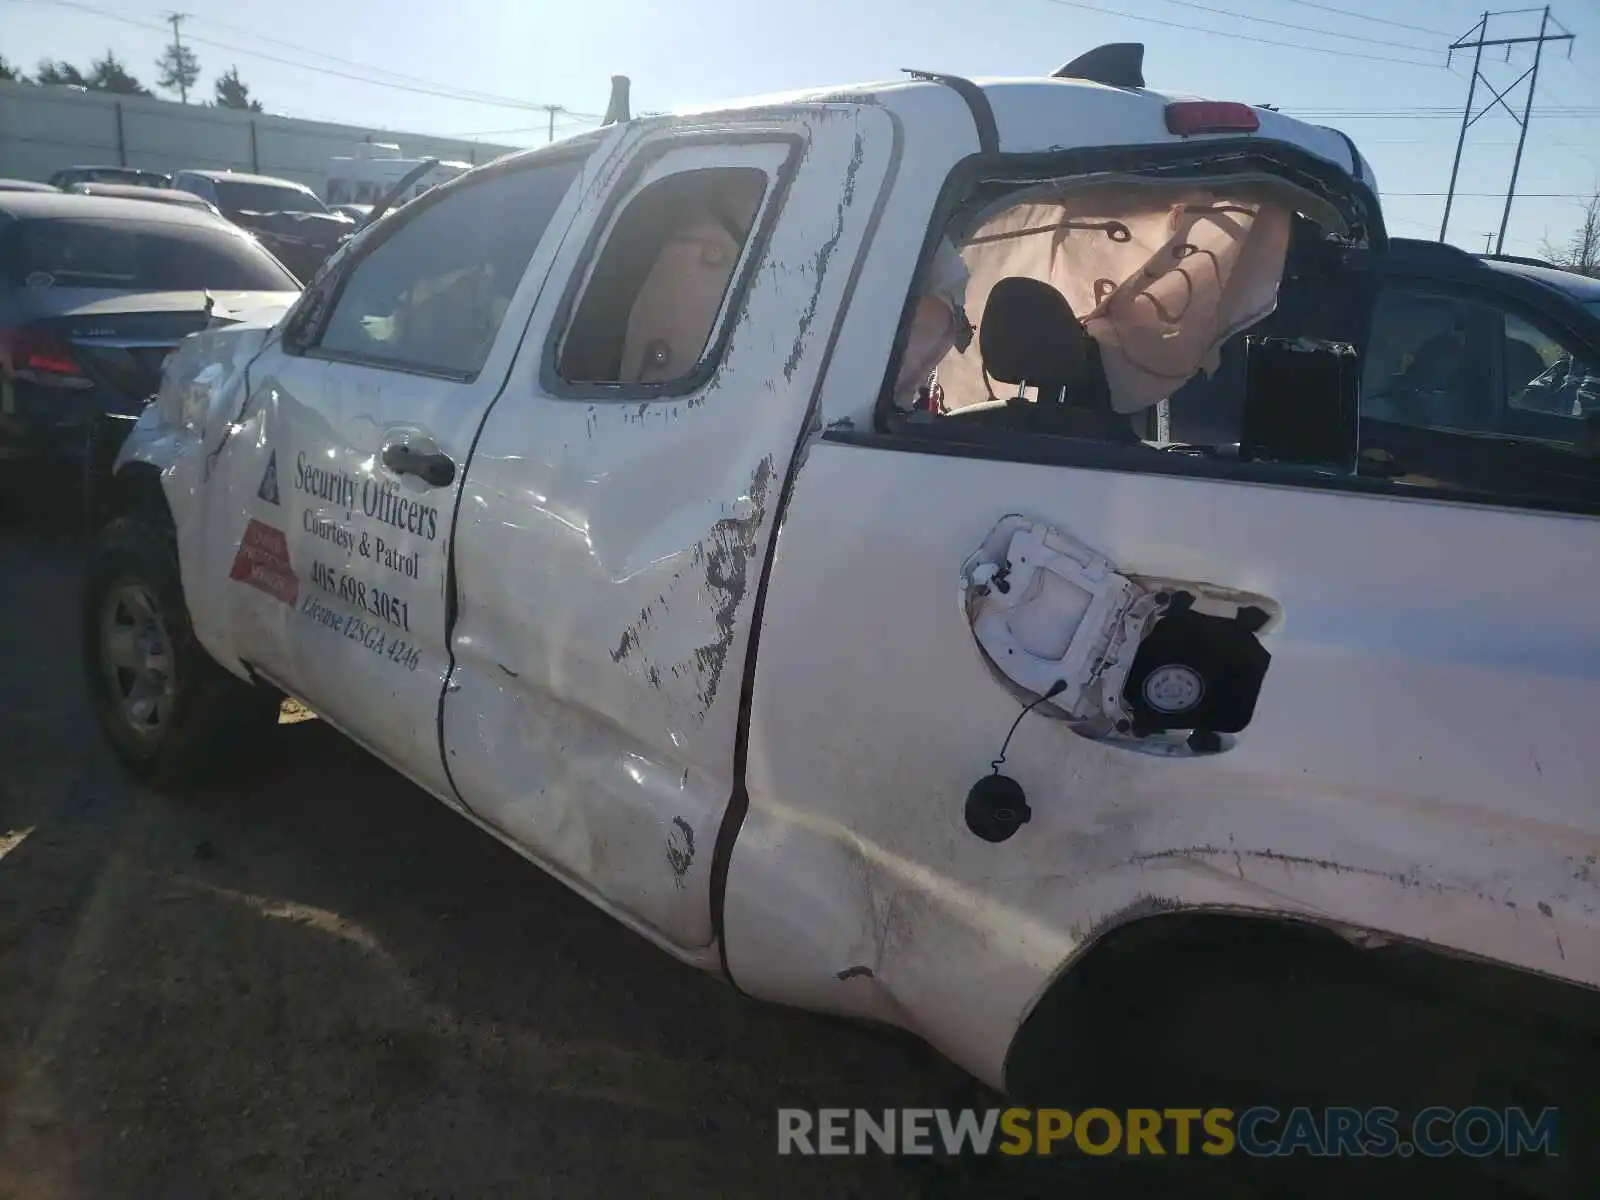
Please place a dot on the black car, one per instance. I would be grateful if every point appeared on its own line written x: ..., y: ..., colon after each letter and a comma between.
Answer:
x: 1481, y: 372
x: 286, y: 217
x: 68, y: 176
x: 1479, y: 376
x: 94, y: 293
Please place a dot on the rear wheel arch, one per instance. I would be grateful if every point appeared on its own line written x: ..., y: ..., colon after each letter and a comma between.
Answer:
x: 1195, y: 1008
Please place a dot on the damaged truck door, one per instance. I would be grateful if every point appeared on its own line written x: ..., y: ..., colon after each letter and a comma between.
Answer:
x: 623, y: 495
x: 352, y: 450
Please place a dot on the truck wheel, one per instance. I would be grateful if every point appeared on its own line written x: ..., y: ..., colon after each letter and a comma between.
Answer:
x: 170, y: 712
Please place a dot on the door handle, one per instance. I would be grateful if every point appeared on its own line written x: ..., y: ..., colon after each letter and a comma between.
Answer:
x: 434, y: 469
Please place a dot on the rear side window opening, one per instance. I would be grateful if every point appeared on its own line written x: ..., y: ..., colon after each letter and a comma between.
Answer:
x: 652, y: 315
x: 1228, y: 317
x: 1135, y: 310
x: 139, y: 256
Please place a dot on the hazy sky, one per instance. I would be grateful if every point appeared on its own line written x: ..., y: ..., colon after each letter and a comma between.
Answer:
x: 325, y: 58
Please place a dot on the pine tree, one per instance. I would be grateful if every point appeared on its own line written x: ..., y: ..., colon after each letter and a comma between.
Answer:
x: 109, y: 75
x: 233, y: 93
x: 179, y: 67
x: 59, y: 72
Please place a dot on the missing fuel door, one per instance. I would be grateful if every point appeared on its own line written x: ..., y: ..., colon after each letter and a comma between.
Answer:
x: 1161, y: 666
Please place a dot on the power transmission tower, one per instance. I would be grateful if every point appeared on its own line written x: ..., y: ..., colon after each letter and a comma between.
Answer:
x: 176, y: 19
x: 1468, y: 118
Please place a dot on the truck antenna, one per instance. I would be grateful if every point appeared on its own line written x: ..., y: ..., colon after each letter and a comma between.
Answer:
x: 617, y: 108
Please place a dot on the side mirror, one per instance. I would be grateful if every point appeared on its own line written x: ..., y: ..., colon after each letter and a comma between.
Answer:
x: 1300, y: 402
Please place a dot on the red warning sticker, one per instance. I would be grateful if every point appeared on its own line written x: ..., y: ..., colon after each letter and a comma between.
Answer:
x: 263, y: 563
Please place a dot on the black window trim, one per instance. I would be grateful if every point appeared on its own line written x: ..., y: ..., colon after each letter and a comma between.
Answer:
x: 712, y: 356
x: 579, y: 150
x: 999, y: 445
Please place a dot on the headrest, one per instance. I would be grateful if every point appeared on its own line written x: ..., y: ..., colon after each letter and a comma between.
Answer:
x: 1030, y: 333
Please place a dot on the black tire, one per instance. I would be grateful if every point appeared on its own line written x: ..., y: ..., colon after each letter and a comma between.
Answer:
x: 172, y: 714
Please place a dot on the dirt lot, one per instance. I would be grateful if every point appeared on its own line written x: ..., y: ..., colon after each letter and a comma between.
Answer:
x: 327, y: 984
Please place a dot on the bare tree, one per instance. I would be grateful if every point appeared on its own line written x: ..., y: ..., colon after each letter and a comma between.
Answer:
x: 9, y: 73
x: 1581, y: 252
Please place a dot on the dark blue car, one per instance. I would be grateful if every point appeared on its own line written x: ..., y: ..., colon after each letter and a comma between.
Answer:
x: 1479, y: 376
x: 94, y: 293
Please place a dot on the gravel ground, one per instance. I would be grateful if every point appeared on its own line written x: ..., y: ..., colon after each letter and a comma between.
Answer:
x: 326, y: 984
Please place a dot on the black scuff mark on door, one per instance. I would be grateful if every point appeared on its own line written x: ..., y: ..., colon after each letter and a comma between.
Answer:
x: 628, y: 644
x: 507, y: 670
x: 855, y: 973
x: 725, y: 556
x: 722, y: 560
x: 680, y: 850
x: 631, y: 635
x: 819, y: 266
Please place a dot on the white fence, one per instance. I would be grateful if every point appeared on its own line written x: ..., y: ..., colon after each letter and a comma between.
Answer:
x: 43, y: 129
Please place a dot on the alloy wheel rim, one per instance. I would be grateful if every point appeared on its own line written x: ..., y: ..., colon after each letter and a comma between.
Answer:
x: 136, y: 659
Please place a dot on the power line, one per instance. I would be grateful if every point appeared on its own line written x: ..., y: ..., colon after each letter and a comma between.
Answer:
x: 1499, y: 195
x: 1241, y: 37
x: 441, y: 91
x: 1359, y: 16
x: 1306, y: 114
x: 250, y: 33
x: 1214, y: 10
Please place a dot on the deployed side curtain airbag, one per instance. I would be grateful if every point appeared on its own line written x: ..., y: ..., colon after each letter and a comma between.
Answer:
x: 1159, y: 277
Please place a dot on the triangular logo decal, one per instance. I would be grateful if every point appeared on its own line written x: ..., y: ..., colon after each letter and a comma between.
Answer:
x: 268, y: 490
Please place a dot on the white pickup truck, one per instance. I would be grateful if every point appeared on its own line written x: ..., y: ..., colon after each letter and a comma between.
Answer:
x: 696, y: 504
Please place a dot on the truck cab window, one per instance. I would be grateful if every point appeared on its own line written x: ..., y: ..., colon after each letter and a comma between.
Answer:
x: 1542, y: 375
x: 649, y: 307
x: 1466, y: 396
x: 1428, y: 362
x: 432, y: 295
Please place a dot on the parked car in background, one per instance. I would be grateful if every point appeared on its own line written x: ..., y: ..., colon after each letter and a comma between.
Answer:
x: 1477, y: 371
x: 94, y: 293
x: 24, y: 185
x: 287, y: 217
x: 129, y: 191
x: 356, y: 212
x: 368, y: 175
x: 1482, y: 368
x: 68, y: 176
